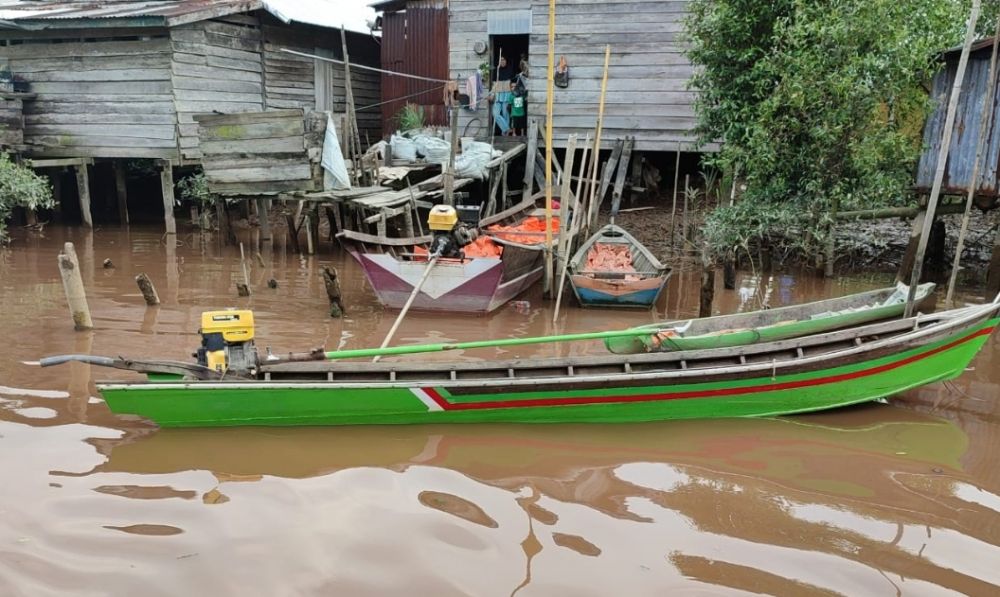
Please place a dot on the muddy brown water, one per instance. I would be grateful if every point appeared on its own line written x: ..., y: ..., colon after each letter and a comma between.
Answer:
x: 887, y: 499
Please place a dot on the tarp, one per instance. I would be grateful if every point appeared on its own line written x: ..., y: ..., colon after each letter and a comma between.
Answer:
x: 335, y: 175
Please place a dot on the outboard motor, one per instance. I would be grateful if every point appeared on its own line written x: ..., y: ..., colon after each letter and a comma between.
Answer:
x: 453, y: 228
x: 227, y: 341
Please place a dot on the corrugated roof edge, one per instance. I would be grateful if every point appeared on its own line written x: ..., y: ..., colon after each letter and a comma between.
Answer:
x: 68, y: 15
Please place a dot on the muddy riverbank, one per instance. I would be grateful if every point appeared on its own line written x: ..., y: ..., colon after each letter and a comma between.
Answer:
x: 900, y: 498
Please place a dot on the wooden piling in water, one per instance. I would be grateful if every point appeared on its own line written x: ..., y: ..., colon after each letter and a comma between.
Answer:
x: 332, y: 283
x: 147, y: 289
x: 167, y: 190
x: 69, y: 271
x: 707, y: 284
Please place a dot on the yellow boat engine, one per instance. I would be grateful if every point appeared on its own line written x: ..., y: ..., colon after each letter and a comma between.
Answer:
x: 227, y: 341
x: 453, y: 229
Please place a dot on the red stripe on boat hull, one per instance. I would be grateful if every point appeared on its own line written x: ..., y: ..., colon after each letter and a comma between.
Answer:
x: 788, y: 385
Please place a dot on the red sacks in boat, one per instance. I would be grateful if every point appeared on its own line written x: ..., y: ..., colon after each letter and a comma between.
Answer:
x: 530, y: 231
x: 611, y: 258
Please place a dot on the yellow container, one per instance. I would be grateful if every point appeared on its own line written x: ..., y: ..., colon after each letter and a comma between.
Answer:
x: 235, y: 326
x: 442, y: 217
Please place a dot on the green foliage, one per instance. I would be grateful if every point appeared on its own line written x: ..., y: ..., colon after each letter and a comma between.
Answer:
x: 194, y: 187
x: 21, y: 187
x: 411, y: 117
x: 814, y: 103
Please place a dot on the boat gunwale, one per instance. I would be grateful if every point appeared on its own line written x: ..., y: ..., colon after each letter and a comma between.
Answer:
x: 945, y: 325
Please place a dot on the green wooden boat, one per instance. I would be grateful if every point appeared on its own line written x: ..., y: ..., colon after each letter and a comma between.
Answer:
x: 814, y: 372
x: 767, y: 325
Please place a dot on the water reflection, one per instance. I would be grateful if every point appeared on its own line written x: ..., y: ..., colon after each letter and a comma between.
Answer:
x: 880, y: 499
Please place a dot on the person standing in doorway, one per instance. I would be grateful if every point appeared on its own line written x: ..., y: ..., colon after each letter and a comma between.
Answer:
x: 501, y: 96
x: 518, y: 109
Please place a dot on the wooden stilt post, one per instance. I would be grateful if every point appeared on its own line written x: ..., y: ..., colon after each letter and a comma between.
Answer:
x: 529, y: 164
x: 984, y: 127
x: 83, y: 188
x: 332, y: 283
x: 949, y: 124
x: 264, y: 219
x: 69, y: 271
x: 121, y: 189
x: 993, y: 273
x: 831, y: 238
x: 167, y: 189
x: 564, y: 241
x: 707, y: 284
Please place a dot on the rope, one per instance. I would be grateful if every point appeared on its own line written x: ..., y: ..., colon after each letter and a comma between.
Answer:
x: 362, y: 67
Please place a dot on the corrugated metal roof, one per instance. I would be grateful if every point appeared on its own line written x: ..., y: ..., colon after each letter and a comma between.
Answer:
x: 35, y: 10
x: 965, y: 136
x: 65, y: 13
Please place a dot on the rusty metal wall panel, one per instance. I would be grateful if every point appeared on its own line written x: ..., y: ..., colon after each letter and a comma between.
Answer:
x: 965, y: 136
x: 414, y: 41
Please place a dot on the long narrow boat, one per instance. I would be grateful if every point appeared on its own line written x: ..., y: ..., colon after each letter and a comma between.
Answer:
x: 769, y: 324
x: 603, y: 286
x: 811, y: 373
x: 470, y: 285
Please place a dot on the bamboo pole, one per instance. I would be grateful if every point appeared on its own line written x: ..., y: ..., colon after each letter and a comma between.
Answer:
x: 565, y: 235
x: 549, y: 87
x: 596, y: 157
x: 449, y: 176
x: 984, y: 127
x: 949, y: 124
x: 442, y: 347
x: 673, y: 206
x: 69, y: 271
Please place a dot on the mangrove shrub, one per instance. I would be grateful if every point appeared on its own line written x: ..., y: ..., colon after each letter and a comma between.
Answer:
x: 20, y: 187
x: 815, y: 103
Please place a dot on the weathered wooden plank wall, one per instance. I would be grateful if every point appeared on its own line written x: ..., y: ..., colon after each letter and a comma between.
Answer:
x: 11, y: 121
x: 100, y: 93
x: 298, y: 82
x: 216, y: 66
x: 255, y: 153
x: 647, y: 85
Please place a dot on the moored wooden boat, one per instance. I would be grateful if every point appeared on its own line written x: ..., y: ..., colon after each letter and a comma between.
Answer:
x: 470, y: 285
x: 769, y: 324
x: 607, y: 287
x: 815, y: 372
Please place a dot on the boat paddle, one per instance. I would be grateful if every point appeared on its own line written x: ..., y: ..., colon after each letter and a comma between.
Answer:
x: 406, y: 306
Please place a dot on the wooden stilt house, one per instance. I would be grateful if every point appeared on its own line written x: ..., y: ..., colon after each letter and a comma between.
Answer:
x: 125, y: 79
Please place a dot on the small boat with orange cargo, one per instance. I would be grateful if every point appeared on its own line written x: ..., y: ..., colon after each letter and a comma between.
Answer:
x: 613, y: 269
x: 482, y: 264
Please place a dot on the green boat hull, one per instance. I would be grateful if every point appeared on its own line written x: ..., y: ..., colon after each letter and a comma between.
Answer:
x: 191, y: 404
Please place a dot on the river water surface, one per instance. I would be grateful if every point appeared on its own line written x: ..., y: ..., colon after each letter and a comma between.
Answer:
x: 886, y: 499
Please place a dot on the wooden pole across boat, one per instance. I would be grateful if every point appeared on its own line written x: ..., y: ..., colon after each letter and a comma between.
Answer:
x: 549, y: 87
x: 337, y: 355
x: 984, y: 127
x: 949, y: 124
x: 406, y: 306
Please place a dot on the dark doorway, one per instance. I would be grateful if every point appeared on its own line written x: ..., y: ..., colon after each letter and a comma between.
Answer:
x: 513, y: 49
